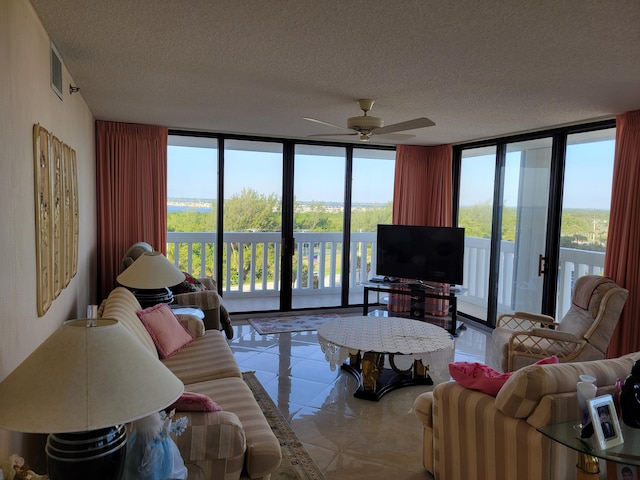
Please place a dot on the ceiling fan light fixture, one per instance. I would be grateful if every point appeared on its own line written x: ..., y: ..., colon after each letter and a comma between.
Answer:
x: 364, y: 122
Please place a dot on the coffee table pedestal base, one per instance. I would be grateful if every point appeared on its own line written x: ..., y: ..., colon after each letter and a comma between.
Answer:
x: 375, y: 381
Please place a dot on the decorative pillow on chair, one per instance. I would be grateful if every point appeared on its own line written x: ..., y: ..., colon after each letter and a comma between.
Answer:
x: 168, y: 334
x: 190, y: 284
x: 481, y: 377
x: 194, y: 402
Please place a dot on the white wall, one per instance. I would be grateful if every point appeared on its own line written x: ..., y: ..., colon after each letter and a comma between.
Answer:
x: 26, y: 98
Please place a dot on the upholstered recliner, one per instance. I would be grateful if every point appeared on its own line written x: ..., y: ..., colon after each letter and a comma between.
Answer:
x: 216, y: 316
x: 522, y: 338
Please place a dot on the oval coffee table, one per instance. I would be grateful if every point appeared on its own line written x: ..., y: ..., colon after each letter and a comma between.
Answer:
x: 366, y: 340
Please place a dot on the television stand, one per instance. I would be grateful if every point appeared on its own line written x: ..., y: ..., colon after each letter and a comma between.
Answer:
x: 419, y: 294
x: 431, y: 287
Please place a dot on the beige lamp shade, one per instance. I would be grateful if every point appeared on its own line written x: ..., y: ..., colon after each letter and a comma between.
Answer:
x: 151, y: 270
x: 84, y: 378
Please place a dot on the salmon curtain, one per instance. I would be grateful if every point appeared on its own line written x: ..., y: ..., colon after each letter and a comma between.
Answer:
x: 422, y: 195
x: 422, y: 186
x: 622, y: 258
x: 131, y: 170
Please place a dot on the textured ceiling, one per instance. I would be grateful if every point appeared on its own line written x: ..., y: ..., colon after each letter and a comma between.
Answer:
x: 478, y: 69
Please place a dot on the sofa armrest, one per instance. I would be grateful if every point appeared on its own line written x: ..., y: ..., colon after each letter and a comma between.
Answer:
x: 542, y: 342
x: 209, y: 283
x: 522, y: 321
x: 208, y: 301
x: 423, y: 408
x: 192, y: 323
x: 214, y: 444
x: 557, y: 335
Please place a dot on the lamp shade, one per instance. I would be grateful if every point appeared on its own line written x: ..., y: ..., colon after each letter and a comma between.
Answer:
x: 151, y: 270
x: 84, y: 378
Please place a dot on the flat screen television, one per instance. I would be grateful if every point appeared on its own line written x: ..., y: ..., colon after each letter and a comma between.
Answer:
x: 421, y: 253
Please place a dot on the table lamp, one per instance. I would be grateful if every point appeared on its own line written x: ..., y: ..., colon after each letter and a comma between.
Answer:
x: 87, y: 380
x: 150, y: 277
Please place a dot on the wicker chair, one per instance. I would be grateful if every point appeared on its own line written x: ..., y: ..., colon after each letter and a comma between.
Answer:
x: 522, y: 338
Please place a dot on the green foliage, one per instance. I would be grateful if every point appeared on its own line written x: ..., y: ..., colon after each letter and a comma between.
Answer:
x: 191, y: 221
x: 582, y: 229
x: 250, y: 211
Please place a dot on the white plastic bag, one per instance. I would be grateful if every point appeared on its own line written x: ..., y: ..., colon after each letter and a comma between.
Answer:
x: 151, y: 452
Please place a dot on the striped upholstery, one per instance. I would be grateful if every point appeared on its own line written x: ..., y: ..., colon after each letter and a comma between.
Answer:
x: 524, y: 390
x: 208, y: 301
x: 214, y: 442
x: 206, y: 358
x: 123, y: 306
x: 192, y: 323
x: 263, y: 449
x: 236, y: 442
x: 472, y: 436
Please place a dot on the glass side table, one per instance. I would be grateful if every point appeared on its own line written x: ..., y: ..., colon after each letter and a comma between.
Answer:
x: 588, y: 455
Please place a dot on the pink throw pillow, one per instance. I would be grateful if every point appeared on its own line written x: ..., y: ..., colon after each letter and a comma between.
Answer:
x: 168, y: 334
x: 481, y: 377
x: 194, y: 402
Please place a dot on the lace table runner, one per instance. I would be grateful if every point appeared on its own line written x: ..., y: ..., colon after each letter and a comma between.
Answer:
x: 401, y: 336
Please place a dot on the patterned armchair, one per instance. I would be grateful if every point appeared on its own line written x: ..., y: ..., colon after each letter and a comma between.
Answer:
x: 522, y: 338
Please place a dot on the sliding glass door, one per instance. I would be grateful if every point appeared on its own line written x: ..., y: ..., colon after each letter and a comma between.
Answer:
x: 252, y: 222
x: 525, y: 202
x: 585, y: 209
x: 535, y: 213
x: 318, y: 220
x: 503, y: 207
x: 192, y: 202
x: 475, y: 215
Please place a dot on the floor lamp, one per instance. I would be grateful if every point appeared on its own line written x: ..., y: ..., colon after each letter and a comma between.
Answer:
x: 81, y: 386
x: 150, y: 277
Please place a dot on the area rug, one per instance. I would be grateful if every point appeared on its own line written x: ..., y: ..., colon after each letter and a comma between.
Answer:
x: 301, y: 323
x: 296, y: 463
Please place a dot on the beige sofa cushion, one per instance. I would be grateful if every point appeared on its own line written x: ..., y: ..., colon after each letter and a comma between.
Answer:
x: 215, y: 443
x: 522, y: 393
x: 206, y: 358
x: 123, y: 306
x: 232, y: 394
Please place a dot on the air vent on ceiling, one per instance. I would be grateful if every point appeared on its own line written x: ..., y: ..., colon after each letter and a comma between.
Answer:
x: 56, y: 71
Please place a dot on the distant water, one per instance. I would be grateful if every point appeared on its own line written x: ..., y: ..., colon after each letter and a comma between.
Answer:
x: 180, y: 208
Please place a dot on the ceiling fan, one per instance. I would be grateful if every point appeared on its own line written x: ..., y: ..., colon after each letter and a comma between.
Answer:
x: 366, y: 126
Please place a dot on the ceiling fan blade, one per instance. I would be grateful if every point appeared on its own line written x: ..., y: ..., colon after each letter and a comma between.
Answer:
x: 325, y: 123
x: 333, y: 134
x: 408, y: 125
x: 393, y: 136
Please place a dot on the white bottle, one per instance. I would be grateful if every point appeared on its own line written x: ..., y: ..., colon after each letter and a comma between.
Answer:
x: 586, y: 391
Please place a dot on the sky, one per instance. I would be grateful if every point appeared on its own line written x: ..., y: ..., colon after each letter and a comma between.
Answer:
x: 192, y: 174
x: 587, y: 185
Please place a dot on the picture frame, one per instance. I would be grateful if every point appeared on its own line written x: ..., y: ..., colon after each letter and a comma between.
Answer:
x: 606, y: 427
x: 620, y: 471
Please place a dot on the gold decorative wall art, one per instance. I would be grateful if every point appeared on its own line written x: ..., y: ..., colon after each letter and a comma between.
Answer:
x: 57, y: 222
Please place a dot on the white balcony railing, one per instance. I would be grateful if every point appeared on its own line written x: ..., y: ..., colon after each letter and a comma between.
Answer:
x: 322, y: 253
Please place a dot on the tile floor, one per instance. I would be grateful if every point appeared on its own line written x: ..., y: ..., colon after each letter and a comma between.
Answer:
x: 347, y: 437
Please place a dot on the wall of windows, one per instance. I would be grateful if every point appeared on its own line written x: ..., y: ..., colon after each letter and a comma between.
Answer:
x: 283, y: 224
x: 295, y: 224
x: 546, y: 197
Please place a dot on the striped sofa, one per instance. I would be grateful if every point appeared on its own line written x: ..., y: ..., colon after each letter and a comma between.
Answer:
x: 234, y: 443
x: 468, y: 435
